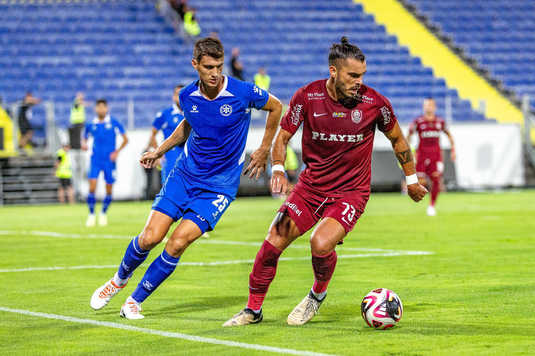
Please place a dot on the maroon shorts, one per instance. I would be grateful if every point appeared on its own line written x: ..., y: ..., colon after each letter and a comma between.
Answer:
x: 306, y: 208
x: 428, y: 163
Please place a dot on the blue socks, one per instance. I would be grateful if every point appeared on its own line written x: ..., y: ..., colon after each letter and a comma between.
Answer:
x: 91, y: 202
x: 133, y: 257
x: 106, y: 203
x: 159, y: 270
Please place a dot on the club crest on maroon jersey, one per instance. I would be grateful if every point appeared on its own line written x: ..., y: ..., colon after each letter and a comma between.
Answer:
x: 356, y: 116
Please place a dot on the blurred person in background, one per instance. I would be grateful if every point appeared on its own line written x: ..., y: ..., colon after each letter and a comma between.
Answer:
x: 429, y: 155
x: 167, y: 121
x: 77, y: 122
x: 262, y: 79
x: 191, y: 25
x: 103, y: 128
x: 25, y: 114
x: 236, y: 66
x: 180, y: 7
x: 64, y: 173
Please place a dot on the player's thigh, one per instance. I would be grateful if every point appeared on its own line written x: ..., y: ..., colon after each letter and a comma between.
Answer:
x: 155, y: 229
x: 327, y: 234
x: 110, y: 172
x: 283, y: 231
x: 184, y: 235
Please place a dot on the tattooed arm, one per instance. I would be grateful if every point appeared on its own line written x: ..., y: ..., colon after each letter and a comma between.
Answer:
x: 403, y: 153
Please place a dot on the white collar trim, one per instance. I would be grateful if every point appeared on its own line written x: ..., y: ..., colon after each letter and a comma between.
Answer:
x: 222, y: 92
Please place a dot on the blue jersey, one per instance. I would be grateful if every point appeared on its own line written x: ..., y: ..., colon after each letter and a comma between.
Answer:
x: 104, y: 136
x: 167, y: 121
x: 215, y: 150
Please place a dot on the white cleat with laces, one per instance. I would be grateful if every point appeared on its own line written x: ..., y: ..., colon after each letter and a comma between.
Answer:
x: 102, y: 296
x: 131, y: 309
x: 305, y: 310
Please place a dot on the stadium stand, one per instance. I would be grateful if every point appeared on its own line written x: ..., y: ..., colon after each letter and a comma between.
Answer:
x: 499, y: 34
x: 124, y: 50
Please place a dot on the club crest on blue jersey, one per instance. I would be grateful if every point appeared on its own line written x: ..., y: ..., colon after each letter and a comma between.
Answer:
x: 225, y: 110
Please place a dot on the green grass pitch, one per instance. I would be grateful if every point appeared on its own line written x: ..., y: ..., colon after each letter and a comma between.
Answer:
x: 475, y: 295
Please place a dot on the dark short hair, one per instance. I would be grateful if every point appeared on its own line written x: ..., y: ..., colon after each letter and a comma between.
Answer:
x: 102, y: 101
x: 208, y: 47
x: 344, y: 50
x: 178, y: 86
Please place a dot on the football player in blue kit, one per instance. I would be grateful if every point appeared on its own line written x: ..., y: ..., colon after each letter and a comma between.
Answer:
x: 167, y: 121
x: 206, y: 176
x: 103, y: 129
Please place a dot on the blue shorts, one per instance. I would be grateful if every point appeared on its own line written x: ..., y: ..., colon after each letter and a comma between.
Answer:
x: 107, y: 166
x: 169, y: 163
x: 179, y: 198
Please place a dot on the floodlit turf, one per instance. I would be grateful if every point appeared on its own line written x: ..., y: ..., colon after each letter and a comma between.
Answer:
x: 474, y: 295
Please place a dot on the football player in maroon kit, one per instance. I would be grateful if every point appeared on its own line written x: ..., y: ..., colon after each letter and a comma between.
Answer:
x: 339, y: 116
x: 429, y: 155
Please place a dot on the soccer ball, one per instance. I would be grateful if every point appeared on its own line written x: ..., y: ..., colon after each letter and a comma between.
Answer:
x: 381, y: 309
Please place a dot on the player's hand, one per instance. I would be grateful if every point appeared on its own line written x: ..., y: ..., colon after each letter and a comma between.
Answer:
x: 279, y: 183
x: 113, y: 156
x: 416, y: 191
x: 149, y: 159
x: 258, y: 163
x: 83, y: 146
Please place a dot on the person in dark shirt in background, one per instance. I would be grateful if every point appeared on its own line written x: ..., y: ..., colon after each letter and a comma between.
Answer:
x: 236, y: 66
x: 25, y: 114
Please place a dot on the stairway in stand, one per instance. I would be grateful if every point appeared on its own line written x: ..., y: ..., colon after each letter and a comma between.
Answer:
x: 28, y: 180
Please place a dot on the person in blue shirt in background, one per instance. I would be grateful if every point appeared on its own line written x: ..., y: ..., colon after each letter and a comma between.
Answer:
x: 103, y: 128
x: 206, y: 176
x: 167, y: 121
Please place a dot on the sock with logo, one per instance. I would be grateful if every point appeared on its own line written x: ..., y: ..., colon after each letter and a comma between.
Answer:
x: 323, y: 271
x: 91, y: 201
x: 133, y: 257
x: 264, y: 269
x: 106, y: 203
x: 158, y: 271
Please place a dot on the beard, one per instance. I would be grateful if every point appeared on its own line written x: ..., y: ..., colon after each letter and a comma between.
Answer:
x: 348, y: 101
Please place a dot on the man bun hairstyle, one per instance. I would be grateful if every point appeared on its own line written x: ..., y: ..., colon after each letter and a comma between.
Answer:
x: 208, y: 47
x: 344, y: 50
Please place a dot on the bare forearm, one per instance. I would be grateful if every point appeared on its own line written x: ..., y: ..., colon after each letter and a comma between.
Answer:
x: 403, y: 153
x: 272, y: 123
x: 178, y: 137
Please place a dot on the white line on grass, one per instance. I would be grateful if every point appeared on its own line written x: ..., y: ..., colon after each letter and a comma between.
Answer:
x: 206, y: 340
x: 201, y: 241
x: 218, y: 263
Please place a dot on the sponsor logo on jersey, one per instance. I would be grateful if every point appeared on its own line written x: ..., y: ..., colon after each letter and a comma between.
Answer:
x: 339, y: 114
x: 321, y: 136
x: 194, y: 109
x: 430, y: 134
x: 319, y: 115
x: 366, y: 99
x: 356, y: 116
x: 296, y: 111
x: 386, y: 115
x: 293, y: 208
x: 108, y: 126
x: 316, y: 96
x: 225, y: 109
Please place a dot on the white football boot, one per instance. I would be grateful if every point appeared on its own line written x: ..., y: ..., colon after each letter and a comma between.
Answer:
x: 91, y: 220
x: 305, y: 310
x: 102, y: 220
x: 131, y: 309
x: 431, y: 211
x: 102, y: 296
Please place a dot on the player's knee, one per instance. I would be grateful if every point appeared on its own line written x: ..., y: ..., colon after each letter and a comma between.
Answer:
x: 320, y: 246
x: 149, y: 238
x: 178, y: 244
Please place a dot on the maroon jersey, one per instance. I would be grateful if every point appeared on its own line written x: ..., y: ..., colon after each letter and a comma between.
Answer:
x: 337, y: 142
x: 429, y: 135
